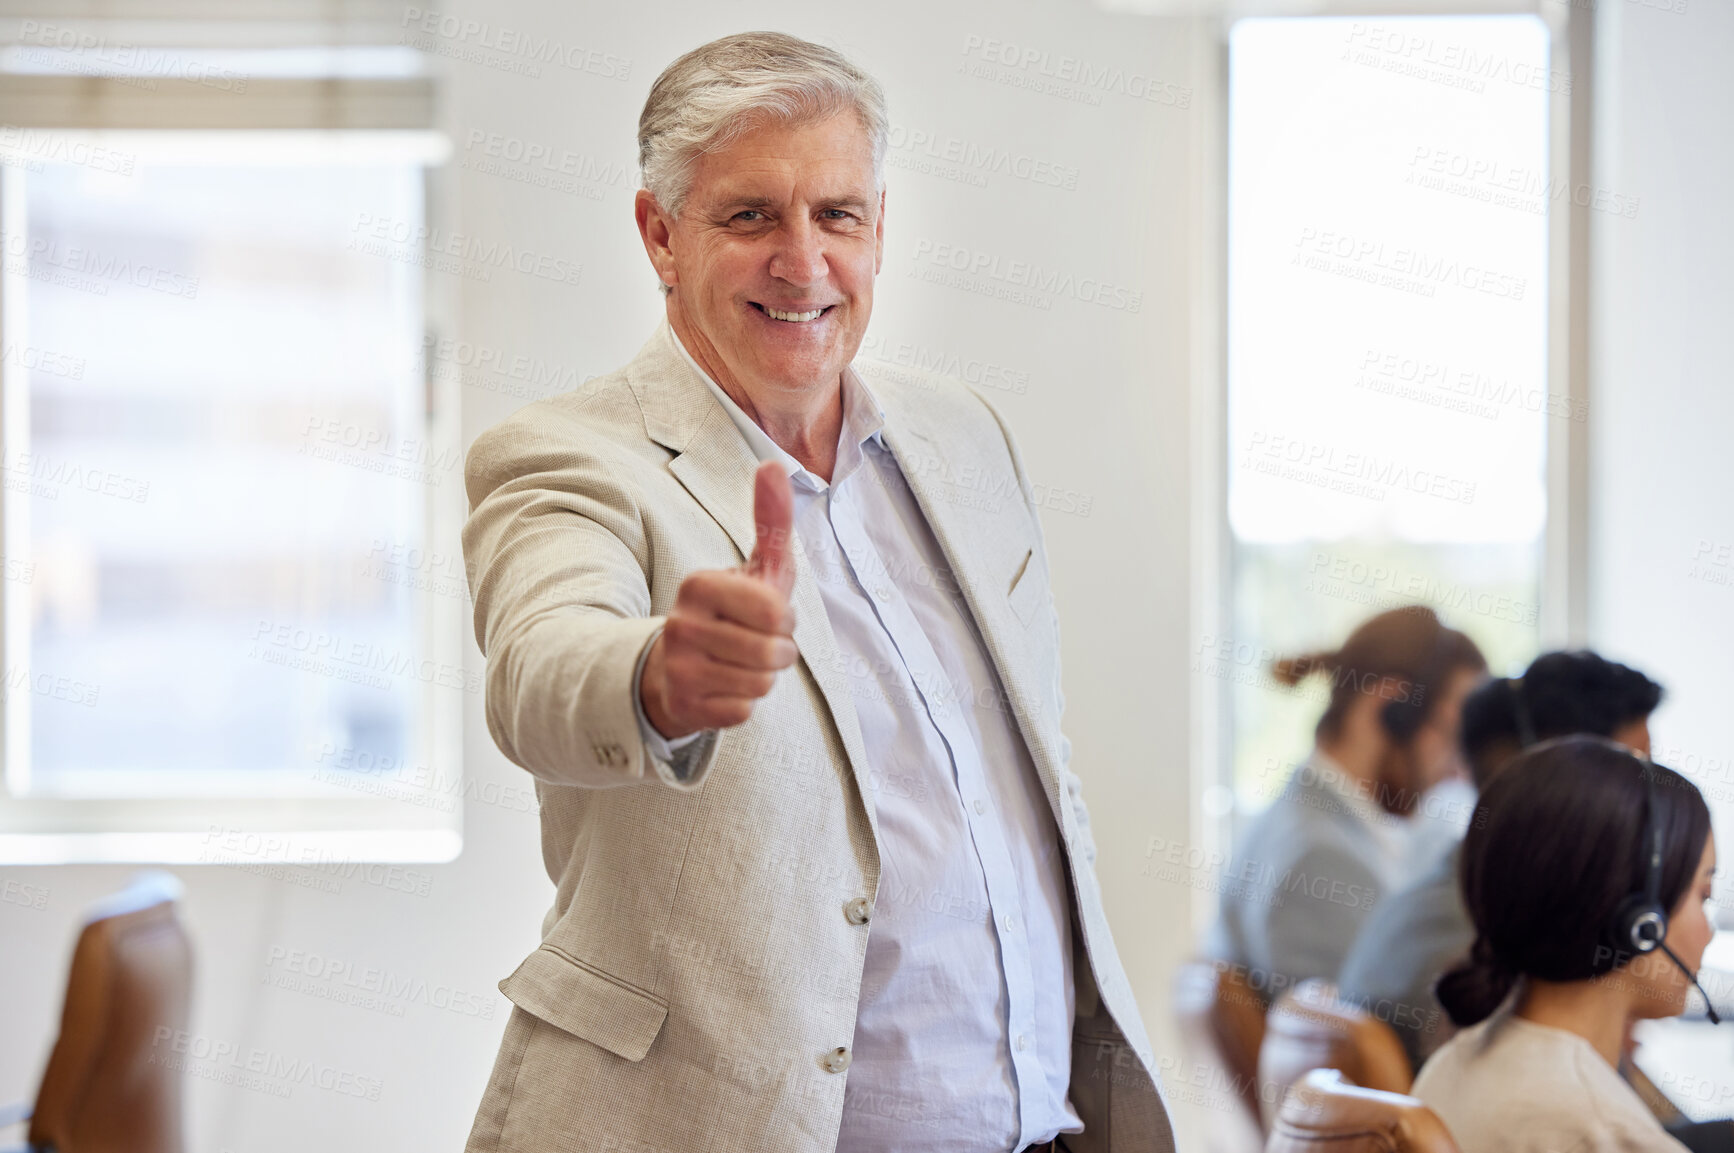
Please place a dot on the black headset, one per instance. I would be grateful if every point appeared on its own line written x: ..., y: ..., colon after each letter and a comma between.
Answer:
x: 1520, y: 712
x: 1640, y: 923
x: 1402, y: 718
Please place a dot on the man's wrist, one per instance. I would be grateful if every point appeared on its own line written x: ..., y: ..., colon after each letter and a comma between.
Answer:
x: 646, y: 703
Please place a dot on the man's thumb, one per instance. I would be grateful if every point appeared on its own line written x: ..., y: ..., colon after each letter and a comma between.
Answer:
x: 774, y: 519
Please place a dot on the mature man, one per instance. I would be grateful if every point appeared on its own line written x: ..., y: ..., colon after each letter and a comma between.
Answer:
x: 824, y: 877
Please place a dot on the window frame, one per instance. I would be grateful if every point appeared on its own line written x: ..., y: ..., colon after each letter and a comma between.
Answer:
x: 1563, y: 584
x: 235, y: 828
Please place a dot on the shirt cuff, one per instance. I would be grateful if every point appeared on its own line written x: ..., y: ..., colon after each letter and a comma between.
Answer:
x: 658, y: 745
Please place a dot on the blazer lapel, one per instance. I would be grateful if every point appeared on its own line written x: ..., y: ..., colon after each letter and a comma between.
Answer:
x: 967, y: 540
x: 715, y: 465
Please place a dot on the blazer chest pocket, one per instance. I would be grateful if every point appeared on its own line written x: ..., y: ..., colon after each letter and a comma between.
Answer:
x: 586, y: 1002
x: 1025, y: 593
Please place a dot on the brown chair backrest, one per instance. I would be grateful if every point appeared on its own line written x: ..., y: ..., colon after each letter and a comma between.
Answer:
x: 1221, y: 1019
x: 1309, y: 1028
x: 112, y: 1084
x: 1324, y: 1114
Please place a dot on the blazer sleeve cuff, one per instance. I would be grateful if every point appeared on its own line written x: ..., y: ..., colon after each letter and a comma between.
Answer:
x: 680, y: 762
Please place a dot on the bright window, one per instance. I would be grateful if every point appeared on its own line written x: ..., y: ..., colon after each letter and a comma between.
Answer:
x: 1388, y: 408
x: 224, y: 463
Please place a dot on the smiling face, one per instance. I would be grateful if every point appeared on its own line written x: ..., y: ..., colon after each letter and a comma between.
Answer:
x: 773, y: 257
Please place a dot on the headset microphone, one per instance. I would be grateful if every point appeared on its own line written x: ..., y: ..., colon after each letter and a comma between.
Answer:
x: 1640, y: 923
x: 1709, y: 1009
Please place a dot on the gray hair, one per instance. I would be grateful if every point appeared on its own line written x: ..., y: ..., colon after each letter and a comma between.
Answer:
x: 711, y: 96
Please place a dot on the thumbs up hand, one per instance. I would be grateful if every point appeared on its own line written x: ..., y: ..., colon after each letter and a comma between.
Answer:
x: 731, y: 630
x: 774, y: 520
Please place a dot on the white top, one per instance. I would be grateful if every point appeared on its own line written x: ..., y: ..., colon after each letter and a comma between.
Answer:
x: 1391, y: 835
x: 1509, y: 1085
x: 1305, y: 877
x: 963, y: 1038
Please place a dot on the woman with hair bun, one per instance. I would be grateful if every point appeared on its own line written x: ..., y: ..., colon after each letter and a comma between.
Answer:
x: 1557, y: 874
x: 1311, y: 867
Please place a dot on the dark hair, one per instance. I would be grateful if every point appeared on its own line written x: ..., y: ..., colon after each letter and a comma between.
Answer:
x: 1562, y: 693
x: 1554, y: 848
x: 1407, y: 645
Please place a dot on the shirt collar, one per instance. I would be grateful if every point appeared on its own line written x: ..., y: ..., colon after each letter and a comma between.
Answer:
x: 1331, y: 775
x: 863, y: 421
x: 1389, y: 833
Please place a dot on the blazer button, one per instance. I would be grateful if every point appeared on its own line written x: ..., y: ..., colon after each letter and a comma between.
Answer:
x: 836, y: 1060
x: 858, y: 911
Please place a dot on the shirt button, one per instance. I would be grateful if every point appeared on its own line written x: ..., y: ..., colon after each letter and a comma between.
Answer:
x: 980, y: 806
x: 836, y: 1060
x: 1023, y: 1042
x: 858, y: 911
x: 1011, y: 922
x: 882, y: 593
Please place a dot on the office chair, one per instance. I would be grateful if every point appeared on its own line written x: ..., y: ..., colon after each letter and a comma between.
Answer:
x: 111, y: 1085
x: 1310, y: 1028
x: 1221, y: 1019
x: 1324, y: 1114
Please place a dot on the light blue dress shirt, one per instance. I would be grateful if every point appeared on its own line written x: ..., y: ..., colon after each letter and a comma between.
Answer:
x: 963, y: 1034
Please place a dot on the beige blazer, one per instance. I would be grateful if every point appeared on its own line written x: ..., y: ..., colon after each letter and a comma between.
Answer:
x: 701, y: 966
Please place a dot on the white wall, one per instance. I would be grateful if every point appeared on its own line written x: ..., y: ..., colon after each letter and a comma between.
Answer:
x: 1102, y: 417
x: 1662, y: 378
